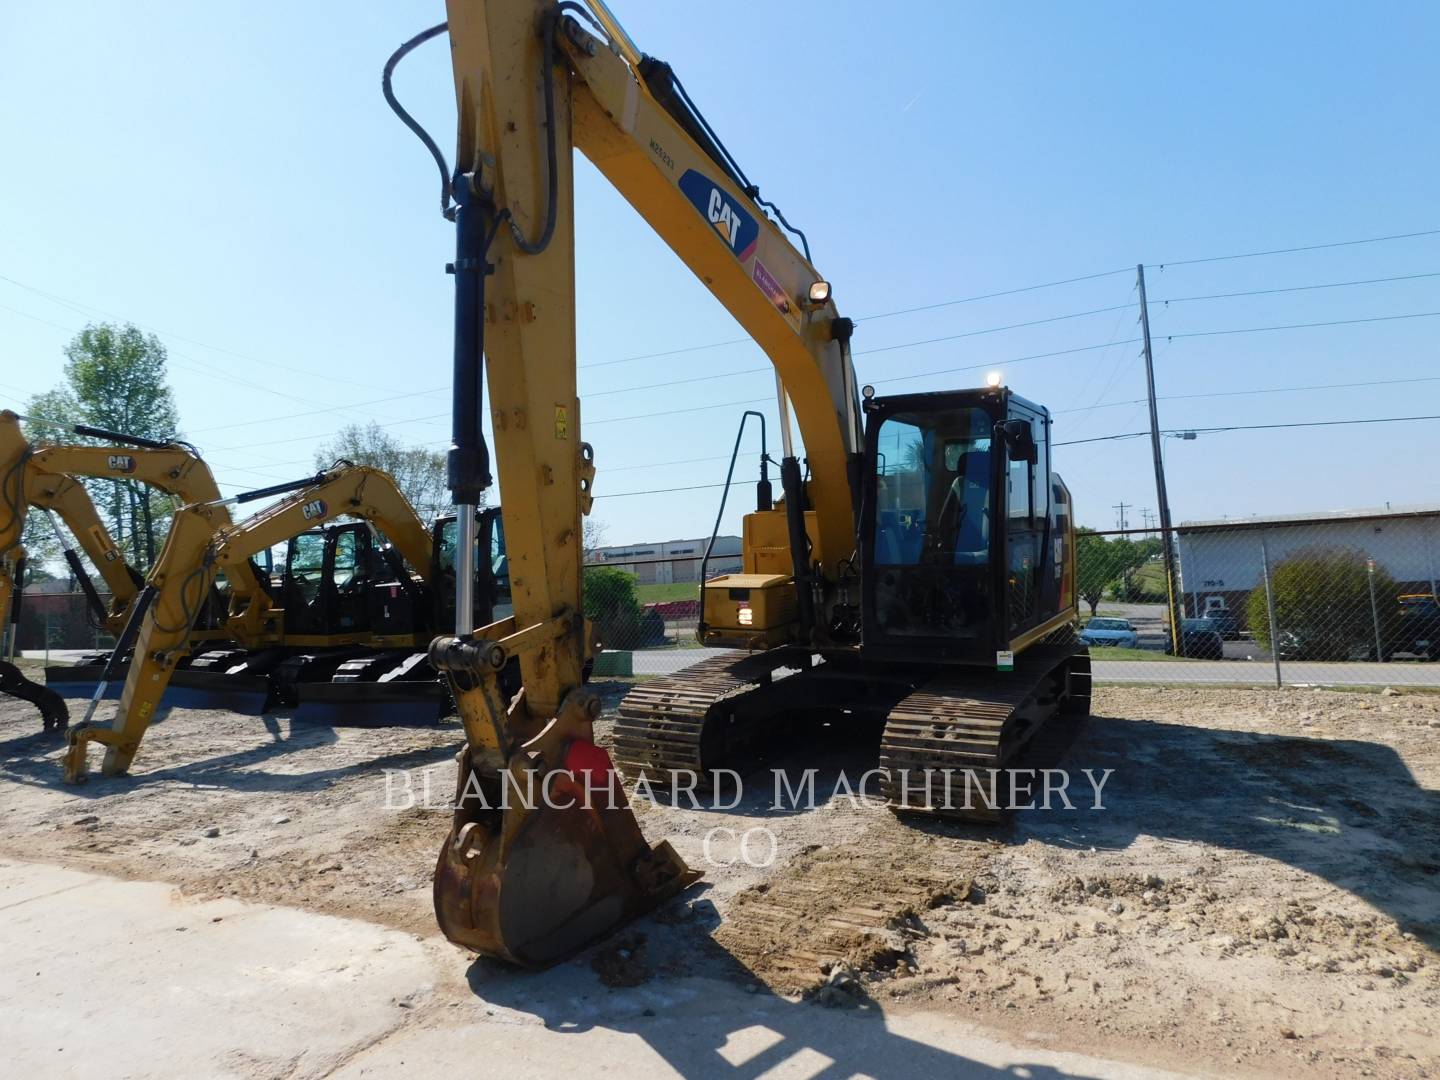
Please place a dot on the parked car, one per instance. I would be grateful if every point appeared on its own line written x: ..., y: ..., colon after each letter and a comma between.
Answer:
x: 1225, y: 620
x: 1318, y: 643
x: 1202, y: 639
x: 1111, y: 632
x: 1417, y: 630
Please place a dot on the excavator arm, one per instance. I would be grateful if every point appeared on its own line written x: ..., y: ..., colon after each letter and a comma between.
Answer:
x: 68, y: 499
x: 46, y: 479
x: 534, y: 81
x: 161, y: 620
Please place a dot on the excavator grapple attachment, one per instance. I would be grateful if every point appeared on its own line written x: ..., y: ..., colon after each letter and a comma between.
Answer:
x: 544, y: 854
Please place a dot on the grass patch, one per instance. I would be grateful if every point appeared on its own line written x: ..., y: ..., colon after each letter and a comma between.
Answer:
x: 676, y: 590
x: 1118, y: 652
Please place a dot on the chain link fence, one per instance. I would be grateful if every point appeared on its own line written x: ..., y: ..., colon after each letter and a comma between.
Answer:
x: 1322, y: 600
x: 1325, y: 599
x: 645, y: 612
x: 55, y: 622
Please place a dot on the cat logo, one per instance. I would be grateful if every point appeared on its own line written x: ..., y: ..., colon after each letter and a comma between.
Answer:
x: 313, y: 509
x: 120, y: 463
x: 735, y: 226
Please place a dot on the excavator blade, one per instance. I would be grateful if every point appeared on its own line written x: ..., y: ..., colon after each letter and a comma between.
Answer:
x: 54, y: 715
x: 537, y: 881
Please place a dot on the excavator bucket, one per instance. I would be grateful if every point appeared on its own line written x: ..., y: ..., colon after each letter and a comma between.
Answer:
x: 545, y: 855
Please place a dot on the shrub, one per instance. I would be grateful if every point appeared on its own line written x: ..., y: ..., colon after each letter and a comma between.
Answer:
x: 612, y: 606
x: 1322, y: 604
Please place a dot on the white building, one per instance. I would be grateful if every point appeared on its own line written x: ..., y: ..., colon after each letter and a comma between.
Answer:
x: 1224, y: 558
x: 672, y: 560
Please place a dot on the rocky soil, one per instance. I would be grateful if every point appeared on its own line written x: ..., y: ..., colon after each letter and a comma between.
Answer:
x: 1260, y: 894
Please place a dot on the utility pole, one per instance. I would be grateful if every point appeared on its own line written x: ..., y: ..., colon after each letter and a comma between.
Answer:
x: 1121, y: 507
x: 1145, y: 516
x: 1172, y: 594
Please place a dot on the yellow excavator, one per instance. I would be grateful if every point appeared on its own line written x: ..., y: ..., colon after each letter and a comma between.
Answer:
x: 922, y: 571
x: 160, y: 627
x: 44, y: 477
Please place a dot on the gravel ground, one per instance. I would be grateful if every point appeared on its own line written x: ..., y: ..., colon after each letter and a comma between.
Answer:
x: 1260, y: 895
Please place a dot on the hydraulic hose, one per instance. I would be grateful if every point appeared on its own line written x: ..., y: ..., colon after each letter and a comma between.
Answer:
x: 409, y: 121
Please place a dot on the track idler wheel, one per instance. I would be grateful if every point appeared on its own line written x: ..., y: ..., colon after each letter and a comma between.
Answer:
x: 545, y: 855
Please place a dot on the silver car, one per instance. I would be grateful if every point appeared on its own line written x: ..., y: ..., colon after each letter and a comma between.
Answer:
x: 1116, y: 632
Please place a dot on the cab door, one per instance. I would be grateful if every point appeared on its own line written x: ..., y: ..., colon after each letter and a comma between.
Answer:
x: 301, y: 587
x: 350, y: 571
x: 1027, y: 518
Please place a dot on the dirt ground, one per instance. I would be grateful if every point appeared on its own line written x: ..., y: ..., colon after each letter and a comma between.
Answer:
x: 1259, y: 896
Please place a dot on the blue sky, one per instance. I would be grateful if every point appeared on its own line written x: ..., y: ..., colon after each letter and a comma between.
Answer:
x: 232, y: 178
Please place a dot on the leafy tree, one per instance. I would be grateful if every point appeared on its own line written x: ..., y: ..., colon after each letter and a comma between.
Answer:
x: 593, y: 536
x: 114, y: 378
x: 1322, y: 604
x: 1102, y: 565
x: 418, y: 472
x: 612, y: 604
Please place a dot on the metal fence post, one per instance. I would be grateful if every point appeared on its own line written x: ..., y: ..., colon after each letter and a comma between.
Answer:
x: 1374, y: 610
x: 1270, y: 609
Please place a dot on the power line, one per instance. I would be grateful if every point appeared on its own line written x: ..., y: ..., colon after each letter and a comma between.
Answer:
x: 990, y: 330
x: 1249, y: 427
x: 767, y: 369
x: 657, y: 491
x: 676, y: 412
x: 1047, y: 285
x: 1304, y: 326
x: 1002, y: 363
x: 1255, y: 391
x: 331, y: 434
x: 1295, y: 288
x: 1100, y: 438
x: 881, y: 315
x: 81, y: 308
x: 1293, y: 250
x: 201, y: 369
x: 333, y: 408
x: 994, y: 295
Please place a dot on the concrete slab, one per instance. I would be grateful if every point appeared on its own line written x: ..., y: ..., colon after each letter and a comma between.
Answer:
x: 128, y: 979
x: 702, y: 1028
x: 124, y: 979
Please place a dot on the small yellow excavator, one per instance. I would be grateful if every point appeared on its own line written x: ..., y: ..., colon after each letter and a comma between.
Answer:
x: 922, y: 573
x: 330, y: 602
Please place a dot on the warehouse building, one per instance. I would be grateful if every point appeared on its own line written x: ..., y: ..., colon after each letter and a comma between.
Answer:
x: 1221, y: 561
x: 672, y: 560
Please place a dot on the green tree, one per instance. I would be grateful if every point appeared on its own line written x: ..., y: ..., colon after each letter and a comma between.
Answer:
x: 1322, y: 604
x: 1102, y: 565
x: 114, y: 378
x: 612, y: 605
x: 418, y: 473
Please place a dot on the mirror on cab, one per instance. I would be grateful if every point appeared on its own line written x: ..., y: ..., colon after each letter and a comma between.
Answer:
x: 1019, y: 440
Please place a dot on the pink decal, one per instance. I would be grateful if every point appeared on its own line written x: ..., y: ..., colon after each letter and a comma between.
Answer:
x: 770, y: 287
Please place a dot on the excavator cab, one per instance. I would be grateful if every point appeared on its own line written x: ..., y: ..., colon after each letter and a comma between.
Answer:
x: 492, y: 568
x: 961, y: 554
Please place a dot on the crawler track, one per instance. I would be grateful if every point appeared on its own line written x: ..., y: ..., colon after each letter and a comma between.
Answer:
x: 952, y: 724
x: 662, y: 722
x: 943, y: 743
